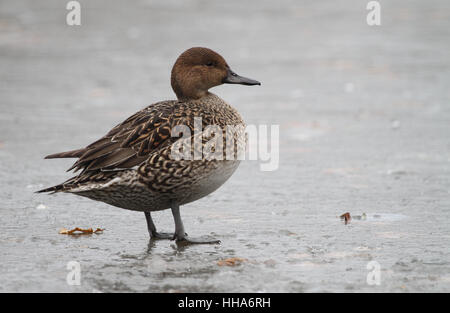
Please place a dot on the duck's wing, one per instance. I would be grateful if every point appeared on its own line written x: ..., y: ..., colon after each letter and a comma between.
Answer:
x: 129, y: 143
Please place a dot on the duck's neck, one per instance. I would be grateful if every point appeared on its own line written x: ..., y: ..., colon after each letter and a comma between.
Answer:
x: 188, y: 93
x: 194, y: 95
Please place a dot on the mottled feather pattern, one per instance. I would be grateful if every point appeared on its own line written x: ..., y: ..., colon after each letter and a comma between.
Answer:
x: 138, y: 151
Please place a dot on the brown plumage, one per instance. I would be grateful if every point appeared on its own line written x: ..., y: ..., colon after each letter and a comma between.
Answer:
x: 68, y: 154
x: 131, y: 166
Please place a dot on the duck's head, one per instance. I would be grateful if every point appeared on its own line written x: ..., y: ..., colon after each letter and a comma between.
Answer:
x: 199, y: 69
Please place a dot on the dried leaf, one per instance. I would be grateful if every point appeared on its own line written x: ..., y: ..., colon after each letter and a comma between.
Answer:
x: 346, y: 217
x: 231, y: 262
x: 79, y: 231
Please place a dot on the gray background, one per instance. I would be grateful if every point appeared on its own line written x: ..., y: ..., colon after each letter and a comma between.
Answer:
x: 364, y: 128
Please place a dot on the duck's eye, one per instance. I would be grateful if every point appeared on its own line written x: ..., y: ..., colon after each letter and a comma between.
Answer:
x: 210, y: 64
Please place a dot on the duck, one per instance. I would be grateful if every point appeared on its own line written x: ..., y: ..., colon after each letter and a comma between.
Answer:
x: 143, y: 165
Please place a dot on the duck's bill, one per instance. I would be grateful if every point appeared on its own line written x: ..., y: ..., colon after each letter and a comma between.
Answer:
x: 233, y: 78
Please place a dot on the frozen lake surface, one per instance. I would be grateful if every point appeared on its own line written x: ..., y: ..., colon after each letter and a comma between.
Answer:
x: 364, y: 115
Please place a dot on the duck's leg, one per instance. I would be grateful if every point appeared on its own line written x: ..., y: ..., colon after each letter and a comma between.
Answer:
x: 180, y: 235
x: 152, y: 229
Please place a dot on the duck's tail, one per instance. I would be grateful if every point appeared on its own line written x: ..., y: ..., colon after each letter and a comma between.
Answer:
x: 53, y: 189
x: 68, y: 154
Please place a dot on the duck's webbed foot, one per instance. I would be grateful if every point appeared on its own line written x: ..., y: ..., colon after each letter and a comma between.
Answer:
x: 180, y: 235
x: 152, y: 229
x: 157, y: 235
x: 186, y: 240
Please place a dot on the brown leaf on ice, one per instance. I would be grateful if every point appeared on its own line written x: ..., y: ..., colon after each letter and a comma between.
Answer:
x: 231, y: 262
x: 346, y: 217
x: 79, y: 231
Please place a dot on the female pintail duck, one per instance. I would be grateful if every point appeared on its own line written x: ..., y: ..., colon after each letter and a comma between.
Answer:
x: 132, y: 166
